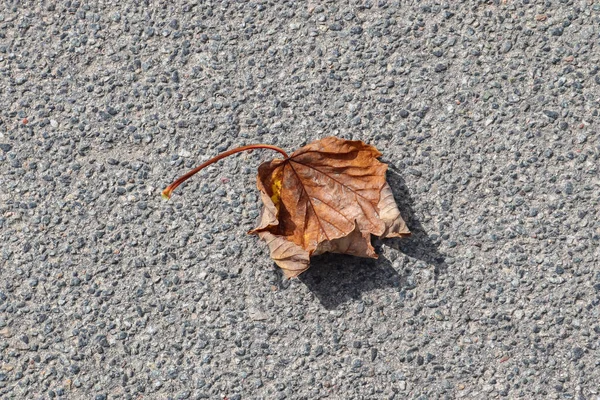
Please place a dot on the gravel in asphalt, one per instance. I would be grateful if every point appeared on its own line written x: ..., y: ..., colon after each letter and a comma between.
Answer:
x: 487, y: 113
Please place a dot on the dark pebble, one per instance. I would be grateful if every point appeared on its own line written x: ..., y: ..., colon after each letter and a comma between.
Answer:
x: 441, y: 68
x: 319, y: 349
x: 104, y: 115
x: 569, y: 188
x: 577, y: 353
x: 506, y: 46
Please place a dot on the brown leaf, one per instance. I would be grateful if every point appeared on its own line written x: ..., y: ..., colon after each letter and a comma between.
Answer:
x: 329, y: 196
x: 390, y: 214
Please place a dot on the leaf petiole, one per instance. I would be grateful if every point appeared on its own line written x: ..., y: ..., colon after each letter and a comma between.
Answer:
x: 166, y: 194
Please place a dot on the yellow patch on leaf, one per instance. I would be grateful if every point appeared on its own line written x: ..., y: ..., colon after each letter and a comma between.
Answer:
x: 276, y: 190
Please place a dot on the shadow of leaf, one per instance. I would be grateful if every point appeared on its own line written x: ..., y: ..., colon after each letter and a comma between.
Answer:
x: 420, y: 244
x: 336, y: 279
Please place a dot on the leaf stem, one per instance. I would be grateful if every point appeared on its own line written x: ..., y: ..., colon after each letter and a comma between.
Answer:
x: 166, y: 194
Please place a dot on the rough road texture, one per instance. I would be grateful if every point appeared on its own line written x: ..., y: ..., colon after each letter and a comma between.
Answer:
x: 487, y: 114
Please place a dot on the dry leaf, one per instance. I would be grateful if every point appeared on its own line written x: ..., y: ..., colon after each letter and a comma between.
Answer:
x: 329, y: 196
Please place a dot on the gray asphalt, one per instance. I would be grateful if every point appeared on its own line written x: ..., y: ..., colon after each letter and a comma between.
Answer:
x: 487, y: 113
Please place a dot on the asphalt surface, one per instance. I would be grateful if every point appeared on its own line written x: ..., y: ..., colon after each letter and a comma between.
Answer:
x: 487, y: 113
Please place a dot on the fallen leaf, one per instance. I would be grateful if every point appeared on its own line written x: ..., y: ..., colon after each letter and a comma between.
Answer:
x: 329, y: 196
